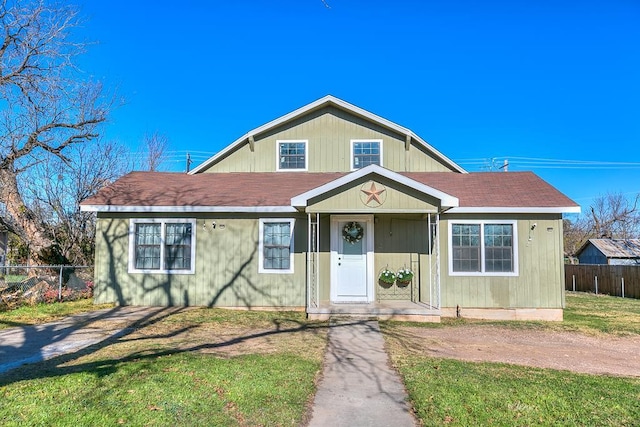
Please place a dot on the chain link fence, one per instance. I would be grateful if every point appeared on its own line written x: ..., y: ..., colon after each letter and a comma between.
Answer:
x: 44, y: 283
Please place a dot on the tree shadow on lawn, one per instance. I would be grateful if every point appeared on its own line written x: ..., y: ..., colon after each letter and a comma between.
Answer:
x: 59, y: 365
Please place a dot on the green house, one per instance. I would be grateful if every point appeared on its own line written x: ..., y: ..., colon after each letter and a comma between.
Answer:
x: 334, y: 210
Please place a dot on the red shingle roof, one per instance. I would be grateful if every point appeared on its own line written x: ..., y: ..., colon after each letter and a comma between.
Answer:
x: 495, y: 189
x: 484, y: 189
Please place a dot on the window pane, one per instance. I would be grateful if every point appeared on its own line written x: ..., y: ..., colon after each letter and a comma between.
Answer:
x: 147, y: 246
x: 466, y: 248
x: 276, y: 245
x: 292, y: 155
x: 365, y: 154
x: 498, y: 251
x: 177, y: 250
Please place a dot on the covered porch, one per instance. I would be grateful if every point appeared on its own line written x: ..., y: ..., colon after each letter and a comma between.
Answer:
x: 366, y: 223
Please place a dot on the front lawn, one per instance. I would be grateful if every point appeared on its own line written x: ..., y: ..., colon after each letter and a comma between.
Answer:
x: 458, y: 393
x: 194, y: 367
x: 454, y: 393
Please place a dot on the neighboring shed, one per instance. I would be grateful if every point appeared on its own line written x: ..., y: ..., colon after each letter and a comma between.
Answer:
x: 610, y: 251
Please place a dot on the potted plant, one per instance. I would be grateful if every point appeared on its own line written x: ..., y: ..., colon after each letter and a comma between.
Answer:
x: 386, y: 278
x: 404, y: 277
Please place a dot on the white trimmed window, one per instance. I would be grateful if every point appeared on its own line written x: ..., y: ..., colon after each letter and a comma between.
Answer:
x: 483, y: 248
x: 365, y: 152
x: 292, y: 155
x: 162, y: 246
x: 275, y: 245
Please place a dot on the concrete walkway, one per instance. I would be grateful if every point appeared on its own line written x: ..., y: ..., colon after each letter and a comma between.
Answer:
x: 31, y: 344
x: 358, y: 387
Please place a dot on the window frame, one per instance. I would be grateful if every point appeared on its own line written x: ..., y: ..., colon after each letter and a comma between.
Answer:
x: 162, y: 221
x: 352, y: 157
x: 261, y: 268
x: 292, y: 141
x: 482, y: 223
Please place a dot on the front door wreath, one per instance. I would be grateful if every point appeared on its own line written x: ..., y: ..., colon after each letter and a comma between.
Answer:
x: 352, y: 232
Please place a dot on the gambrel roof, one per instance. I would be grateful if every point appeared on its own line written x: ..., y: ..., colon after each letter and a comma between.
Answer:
x: 326, y: 101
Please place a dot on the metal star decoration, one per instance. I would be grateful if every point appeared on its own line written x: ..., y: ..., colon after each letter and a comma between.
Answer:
x: 373, y: 194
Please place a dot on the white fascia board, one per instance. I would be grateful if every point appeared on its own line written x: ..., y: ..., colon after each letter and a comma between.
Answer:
x: 480, y: 210
x: 188, y: 209
x: 329, y: 99
x: 446, y: 200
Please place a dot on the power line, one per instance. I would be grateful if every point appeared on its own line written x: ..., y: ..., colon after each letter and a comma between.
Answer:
x: 548, y: 163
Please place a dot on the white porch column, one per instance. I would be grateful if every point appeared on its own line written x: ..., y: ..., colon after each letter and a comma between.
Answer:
x: 429, y: 233
x: 308, y: 260
x: 438, y: 259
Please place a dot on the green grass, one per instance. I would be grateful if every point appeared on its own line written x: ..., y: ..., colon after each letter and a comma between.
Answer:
x: 42, y: 313
x: 454, y: 393
x: 457, y: 393
x: 602, y: 313
x: 176, y: 390
x: 195, y: 367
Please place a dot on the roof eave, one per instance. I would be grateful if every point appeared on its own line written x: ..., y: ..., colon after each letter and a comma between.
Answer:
x: 186, y: 209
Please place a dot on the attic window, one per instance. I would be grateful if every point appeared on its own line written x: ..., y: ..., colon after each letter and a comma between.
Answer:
x: 292, y: 155
x: 365, y: 153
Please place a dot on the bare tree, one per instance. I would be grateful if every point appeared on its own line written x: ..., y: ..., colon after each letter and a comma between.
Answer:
x: 49, y: 106
x: 56, y: 188
x: 155, y: 145
x: 576, y: 233
x: 615, y: 216
x: 612, y: 216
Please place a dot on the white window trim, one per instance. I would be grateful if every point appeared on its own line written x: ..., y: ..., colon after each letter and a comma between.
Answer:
x: 162, y: 221
x: 261, y: 268
x: 482, y: 223
x: 306, y: 154
x: 364, y: 140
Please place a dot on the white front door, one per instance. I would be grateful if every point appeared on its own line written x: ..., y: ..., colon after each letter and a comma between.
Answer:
x: 351, y: 265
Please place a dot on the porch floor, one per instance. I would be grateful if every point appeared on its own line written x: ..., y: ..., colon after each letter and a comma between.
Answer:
x: 405, y: 311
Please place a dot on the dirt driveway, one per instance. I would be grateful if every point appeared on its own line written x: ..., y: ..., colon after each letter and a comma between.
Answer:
x: 545, y: 349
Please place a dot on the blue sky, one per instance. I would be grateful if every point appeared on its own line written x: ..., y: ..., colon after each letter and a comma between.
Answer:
x: 553, y: 80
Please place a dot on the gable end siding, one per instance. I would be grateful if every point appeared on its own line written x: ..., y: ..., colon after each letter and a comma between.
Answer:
x: 329, y: 132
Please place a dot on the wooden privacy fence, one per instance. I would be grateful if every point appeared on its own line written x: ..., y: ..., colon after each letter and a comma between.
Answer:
x: 616, y: 280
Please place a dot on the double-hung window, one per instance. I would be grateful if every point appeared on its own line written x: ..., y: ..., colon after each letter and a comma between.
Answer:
x: 483, y: 248
x: 292, y: 155
x: 275, y: 246
x: 162, y: 246
x: 365, y: 152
